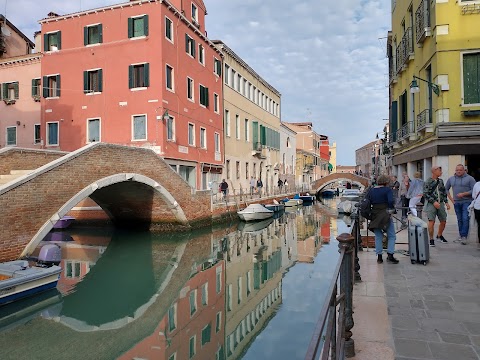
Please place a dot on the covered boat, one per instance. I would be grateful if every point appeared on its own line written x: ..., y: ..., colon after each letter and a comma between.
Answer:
x: 255, y: 212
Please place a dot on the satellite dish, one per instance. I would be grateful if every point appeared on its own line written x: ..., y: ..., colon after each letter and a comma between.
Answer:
x: 5, y: 31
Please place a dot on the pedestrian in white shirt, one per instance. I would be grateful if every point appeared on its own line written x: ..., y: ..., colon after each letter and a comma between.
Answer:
x: 415, y: 192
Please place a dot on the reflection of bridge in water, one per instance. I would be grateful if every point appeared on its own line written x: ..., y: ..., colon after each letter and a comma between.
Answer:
x: 320, y: 184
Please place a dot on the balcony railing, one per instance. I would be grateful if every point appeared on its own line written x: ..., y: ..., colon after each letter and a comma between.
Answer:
x: 404, y: 50
x: 422, y: 21
x: 423, y: 119
x: 405, y: 131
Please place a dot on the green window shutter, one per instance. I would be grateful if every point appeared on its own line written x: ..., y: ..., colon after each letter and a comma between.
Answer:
x: 100, y: 33
x: 4, y: 90
x: 206, y: 97
x: 45, y: 87
x: 34, y: 88
x: 100, y: 80
x: 58, y: 85
x: 254, y: 134
x: 45, y: 42
x: 145, y: 25
x: 85, y: 82
x: 15, y: 90
x: 130, y: 28
x: 187, y: 43
x: 471, y: 78
x: 146, y: 75
x: 59, y: 39
x: 193, y: 47
x: 394, y: 121
x: 85, y: 35
x: 130, y: 76
x: 263, y: 138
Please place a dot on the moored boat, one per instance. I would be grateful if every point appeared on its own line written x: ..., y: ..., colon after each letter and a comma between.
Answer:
x: 307, y: 198
x: 276, y: 206
x: 255, y: 212
x: 327, y: 193
x: 292, y: 202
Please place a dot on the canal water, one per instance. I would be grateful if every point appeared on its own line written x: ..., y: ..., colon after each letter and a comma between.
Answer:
x: 238, y: 291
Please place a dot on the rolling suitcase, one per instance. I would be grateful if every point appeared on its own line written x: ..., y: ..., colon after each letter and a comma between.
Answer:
x: 418, y: 245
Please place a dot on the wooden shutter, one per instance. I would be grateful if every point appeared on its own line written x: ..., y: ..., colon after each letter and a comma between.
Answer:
x: 254, y: 134
x: 34, y: 88
x: 187, y: 43
x: 100, y: 80
x: 58, y: 86
x: 85, y: 35
x: 59, y: 39
x: 394, y: 121
x: 45, y: 86
x: 45, y: 42
x: 205, y: 91
x: 471, y: 78
x: 263, y: 136
x: 130, y: 77
x: 145, y: 25
x: 193, y: 47
x: 146, y: 75
x: 100, y: 33
x: 85, y: 82
x: 130, y: 28
x: 15, y: 90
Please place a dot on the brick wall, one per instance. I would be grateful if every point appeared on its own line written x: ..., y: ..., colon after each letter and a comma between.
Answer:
x: 25, y: 159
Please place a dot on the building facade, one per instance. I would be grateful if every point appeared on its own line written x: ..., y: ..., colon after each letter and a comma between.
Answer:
x: 251, y: 124
x: 288, y: 145
x: 141, y: 73
x: 434, y: 62
x: 19, y: 89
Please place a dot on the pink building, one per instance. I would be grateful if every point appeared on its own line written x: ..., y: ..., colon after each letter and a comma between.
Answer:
x: 19, y: 89
x: 141, y: 73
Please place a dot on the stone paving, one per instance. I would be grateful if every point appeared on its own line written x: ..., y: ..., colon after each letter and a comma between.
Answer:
x: 433, y: 310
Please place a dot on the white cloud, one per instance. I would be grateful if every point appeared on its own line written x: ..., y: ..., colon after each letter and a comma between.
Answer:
x: 324, y: 56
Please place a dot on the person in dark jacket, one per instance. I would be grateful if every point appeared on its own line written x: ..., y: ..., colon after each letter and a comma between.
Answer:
x: 381, y: 198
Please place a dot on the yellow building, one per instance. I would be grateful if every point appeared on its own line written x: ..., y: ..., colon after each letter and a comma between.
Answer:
x: 434, y: 73
x: 251, y: 123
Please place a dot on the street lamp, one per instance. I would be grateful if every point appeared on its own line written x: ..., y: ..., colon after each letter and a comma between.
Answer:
x: 415, y: 89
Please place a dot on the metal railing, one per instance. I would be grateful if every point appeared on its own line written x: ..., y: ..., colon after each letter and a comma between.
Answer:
x: 423, y: 119
x: 332, y: 337
x: 422, y: 20
x: 240, y: 195
x: 404, y: 49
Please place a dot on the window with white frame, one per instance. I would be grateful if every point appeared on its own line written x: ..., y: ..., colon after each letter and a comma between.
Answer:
x: 169, y: 29
x: 190, y: 91
x: 36, y: 89
x: 52, y: 133
x: 247, y: 133
x: 194, y: 13
x: 92, y: 81
x: 171, y: 128
x: 229, y: 297
x: 237, y: 127
x: 189, y: 45
x: 138, y: 76
x: 10, y: 91
x: 172, y: 317
x: 217, y: 142
x: 201, y: 54
x: 206, y: 334
x: 92, y: 34
x: 137, y: 26
x: 216, y: 103
x: 205, y: 294
x: 93, y: 130
x: 139, y: 127
x: 238, y: 83
x: 218, y: 322
x: 11, y: 136
x: 52, y: 41
x: 51, y: 86
x: 192, y: 345
x: 203, y: 138
x: 193, y: 301
x: 240, y: 290
x: 233, y: 75
x: 217, y: 67
x: 203, y: 95
x: 191, y: 134
x: 237, y: 170
x: 37, y: 134
x: 226, y: 74
x: 227, y: 123
x: 218, y: 279
x: 245, y: 87
x: 169, y: 77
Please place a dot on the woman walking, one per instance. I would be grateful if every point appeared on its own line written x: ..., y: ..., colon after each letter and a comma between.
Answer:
x: 381, y: 198
x: 415, y: 192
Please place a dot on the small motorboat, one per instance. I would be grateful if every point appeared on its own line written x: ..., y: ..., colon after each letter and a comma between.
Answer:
x: 350, y: 194
x: 254, y: 212
x: 292, y: 202
x: 327, y: 193
x: 19, y: 279
x: 276, y: 206
x: 64, y: 222
x: 307, y: 198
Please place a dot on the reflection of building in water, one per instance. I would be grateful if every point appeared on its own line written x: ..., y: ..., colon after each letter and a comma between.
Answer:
x: 308, y: 241
x: 254, y: 270
x: 325, y: 230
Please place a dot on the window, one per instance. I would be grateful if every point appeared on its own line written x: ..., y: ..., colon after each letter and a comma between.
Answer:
x: 169, y: 77
x: 217, y: 67
x: 249, y: 281
x: 238, y: 83
x: 93, y: 129
x: 218, y: 280
x: 232, y: 79
x: 226, y: 76
x: 203, y: 138
x: 229, y: 297
x: 10, y: 91
x: 173, y: 356
x: 227, y: 170
x: 193, y: 302
x: 169, y: 29
x: 247, y: 170
x: 37, y: 137
x: 239, y: 294
x: 245, y: 87
x: 216, y: 103
x: 237, y: 169
x: 36, y: 89
x: 72, y: 269
x: 92, y: 81
x: 139, y: 125
x: 170, y: 129
x: 237, y: 127
x: 471, y: 78
x: 190, y: 94
x: 138, y: 76
x: 52, y: 133
x: 172, y: 318
x: 52, y: 41
x: 206, y: 334
x: 191, y: 134
x: 227, y: 123
x: 192, y: 346
x: 247, y: 134
x: 11, y: 136
x: 201, y: 54
x: 51, y: 86
x: 203, y: 96
x: 217, y: 142
x: 205, y: 294
x: 92, y: 34
x: 218, y: 322
x: 194, y: 13
x: 138, y: 26
x: 189, y: 46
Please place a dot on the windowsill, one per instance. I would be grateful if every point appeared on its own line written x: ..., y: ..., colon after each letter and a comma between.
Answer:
x: 139, y: 88
x: 138, y: 37
x: 203, y: 147
x: 92, y: 93
x: 91, y: 45
x: 139, y: 140
x: 203, y: 106
x: 193, y: 57
x: 201, y: 63
x: 52, y: 145
x: 169, y: 40
x: 171, y: 140
x: 52, y: 98
x: 92, y: 142
x: 470, y: 105
x: 191, y: 145
x: 191, y: 100
x: 10, y: 145
x: 171, y: 90
x: 216, y: 112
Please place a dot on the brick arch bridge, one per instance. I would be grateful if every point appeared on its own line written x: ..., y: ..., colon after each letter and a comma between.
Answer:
x: 134, y: 186
x: 320, y: 184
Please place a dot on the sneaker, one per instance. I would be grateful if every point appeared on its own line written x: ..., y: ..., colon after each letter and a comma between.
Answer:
x: 391, y: 259
x: 464, y: 240
x: 432, y: 243
x: 379, y: 258
x: 459, y: 239
x: 442, y: 239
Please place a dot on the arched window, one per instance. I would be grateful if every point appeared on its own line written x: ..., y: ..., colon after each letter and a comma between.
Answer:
x: 288, y: 143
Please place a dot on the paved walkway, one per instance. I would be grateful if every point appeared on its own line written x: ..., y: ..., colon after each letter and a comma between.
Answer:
x: 410, y: 311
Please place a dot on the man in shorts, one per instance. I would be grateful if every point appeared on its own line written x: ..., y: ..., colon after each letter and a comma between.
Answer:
x: 436, y: 201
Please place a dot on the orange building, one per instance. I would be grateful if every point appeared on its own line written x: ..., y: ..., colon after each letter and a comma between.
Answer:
x: 141, y: 73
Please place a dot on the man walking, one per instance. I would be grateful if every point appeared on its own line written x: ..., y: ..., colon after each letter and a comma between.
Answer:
x: 224, y: 188
x: 259, y: 187
x: 435, y: 202
x: 462, y: 186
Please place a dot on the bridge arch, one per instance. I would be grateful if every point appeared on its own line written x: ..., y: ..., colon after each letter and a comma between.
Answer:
x: 105, y: 183
x: 322, y: 183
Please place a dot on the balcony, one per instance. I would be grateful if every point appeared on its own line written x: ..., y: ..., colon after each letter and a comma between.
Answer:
x: 259, y: 150
x: 424, y: 121
x: 422, y: 22
x: 407, y: 132
x: 404, y: 51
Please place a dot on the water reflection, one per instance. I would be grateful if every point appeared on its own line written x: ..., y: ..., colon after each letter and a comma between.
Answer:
x: 246, y: 290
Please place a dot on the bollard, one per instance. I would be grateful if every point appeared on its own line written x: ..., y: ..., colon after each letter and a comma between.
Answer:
x: 356, y: 234
x: 345, y: 241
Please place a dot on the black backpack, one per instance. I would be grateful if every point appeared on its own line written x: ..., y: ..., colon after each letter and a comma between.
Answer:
x: 365, y: 207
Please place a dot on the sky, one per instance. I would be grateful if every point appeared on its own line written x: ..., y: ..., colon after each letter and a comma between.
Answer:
x: 327, y: 58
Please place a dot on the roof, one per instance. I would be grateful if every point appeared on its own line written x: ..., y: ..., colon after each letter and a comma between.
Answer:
x: 14, y: 28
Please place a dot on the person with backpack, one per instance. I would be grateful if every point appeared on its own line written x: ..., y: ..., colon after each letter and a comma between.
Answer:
x: 381, y: 198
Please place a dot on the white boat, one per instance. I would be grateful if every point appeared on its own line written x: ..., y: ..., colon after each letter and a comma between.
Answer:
x: 254, y: 227
x: 350, y: 194
x: 255, y: 212
x: 293, y: 202
x: 276, y: 206
x: 345, y: 207
x: 19, y: 279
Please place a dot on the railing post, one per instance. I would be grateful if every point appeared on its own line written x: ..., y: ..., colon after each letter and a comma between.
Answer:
x: 357, y: 239
x: 345, y: 241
